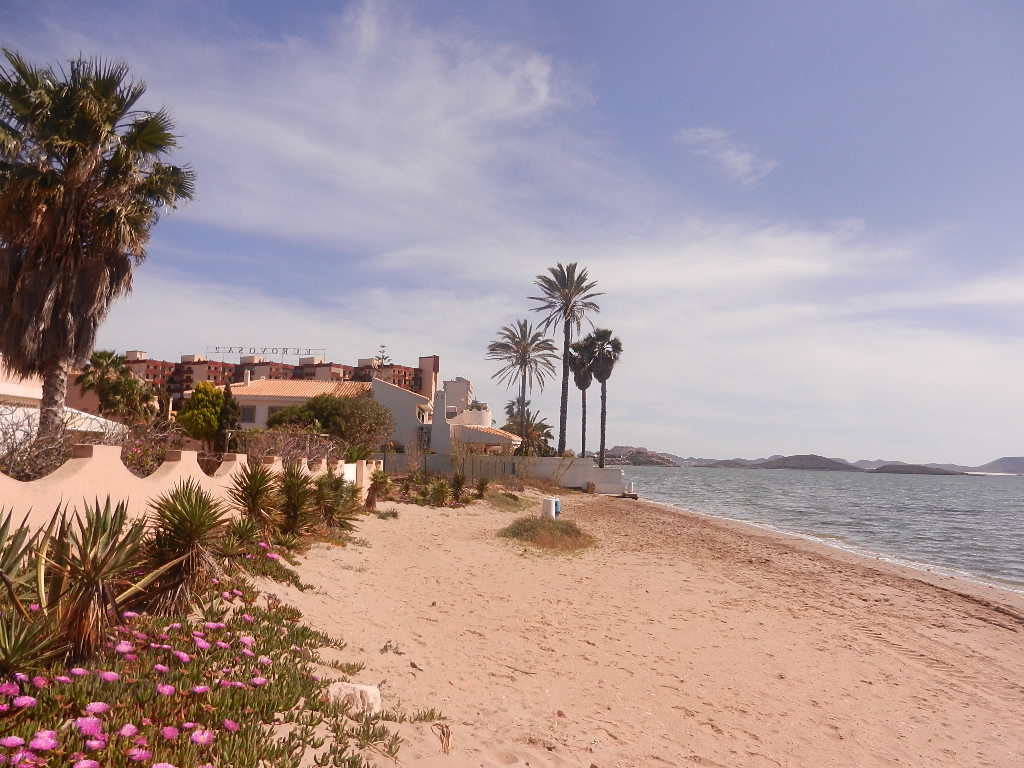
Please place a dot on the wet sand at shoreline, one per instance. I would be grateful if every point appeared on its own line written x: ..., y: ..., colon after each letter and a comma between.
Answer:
x: 677, y: 640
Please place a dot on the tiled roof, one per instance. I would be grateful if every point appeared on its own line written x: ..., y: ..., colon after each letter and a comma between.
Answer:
x: 494, y: 432
x: 299, y: 389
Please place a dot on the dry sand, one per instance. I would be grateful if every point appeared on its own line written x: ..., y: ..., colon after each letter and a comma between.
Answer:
x: 678, y: 640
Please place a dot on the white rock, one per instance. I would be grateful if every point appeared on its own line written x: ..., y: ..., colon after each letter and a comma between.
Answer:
x: 360, y: 698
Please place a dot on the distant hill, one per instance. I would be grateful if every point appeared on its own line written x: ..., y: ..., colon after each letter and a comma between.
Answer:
x: 808, y: 461
x: 912, y: 469
x: 876, y: 463
x: 1013, y: 465
x: 627, y: 455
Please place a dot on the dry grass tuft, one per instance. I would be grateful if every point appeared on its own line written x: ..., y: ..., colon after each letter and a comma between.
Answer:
x: 557, y: 535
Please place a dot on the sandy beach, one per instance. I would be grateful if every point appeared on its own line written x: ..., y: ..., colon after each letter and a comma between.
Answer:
x: 677, y: 640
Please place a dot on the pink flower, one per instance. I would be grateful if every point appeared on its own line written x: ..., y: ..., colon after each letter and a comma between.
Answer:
x: 160, y: 667
x: 24, y: 702
x: 265, y: 661
x: 11, y: 742
x: 273, y: 556
x: 175, y: 625
x: 138, y: 754
x: 109, y: 677
x: 183, y: 657
x: 95, y: 743
x: 248, y: 618
x: 214, y: 625
x: 128, y: 730
x: 90, y: 726
x: 165, y: 690
x: 258, y: 681
x: 189, y: 726
x: 79, y: 672
x: 34, y: 607
x: 129, y: 614
x: 202, y: 644
x: 162, y: 765
x: 237, y: 592
x: 62, y: 679
x: 86, y: 764
x: 246, y: 641
x: 40, y: 682
x: 203, y: 737
x: 97, y: 707
x: 226, y: 595
x: 169, y: 732
x: 231, y: 725
x: 124, y: 647
x: 201, y: 689
x: 264, y: 545
x: 222, y: 644
x: 130, y: 657
x: 247, y: 652
x: 44, y: 740
x: 198, y: 633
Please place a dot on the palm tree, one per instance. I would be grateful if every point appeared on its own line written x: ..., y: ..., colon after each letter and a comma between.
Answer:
x: 605, y: 351
x: 580, y: 365
x: 536, y: 432
x: 528, y: 356
x: 567, y: 295
x: 82, y: 181
x: 101, y: 375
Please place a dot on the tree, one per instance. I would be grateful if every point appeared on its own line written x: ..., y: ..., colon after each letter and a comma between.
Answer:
x: 583, y: 376
x: 101, y: 374
x: 605, y: 351
x: 132, y: 400
x: 536, y: 432
x: 356, y: 421
x: 528, y: 356
x: 229, y: 420
x: 199, y: 414
x: 82, y: 182
x: 566, y: 296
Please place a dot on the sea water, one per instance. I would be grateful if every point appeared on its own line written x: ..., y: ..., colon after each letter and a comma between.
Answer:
x: 966, y: 525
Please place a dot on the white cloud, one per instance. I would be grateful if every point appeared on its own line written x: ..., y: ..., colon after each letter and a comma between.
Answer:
x: 736, y: 162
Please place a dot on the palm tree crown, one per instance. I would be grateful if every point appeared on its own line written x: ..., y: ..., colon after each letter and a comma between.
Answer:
x: 81, y: 182
x: 567, y: 295
x: 580, y: 364
x: 528, y: 355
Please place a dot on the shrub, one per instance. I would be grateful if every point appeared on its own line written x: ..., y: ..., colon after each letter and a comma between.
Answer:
x: 337, y: 501
x: 295, y: 491
x: 481, y: 487
x: 380, y: 484
x: 562, y: 535
x: 458, y: 487
x: 253, y: 492
x: 439, y: 492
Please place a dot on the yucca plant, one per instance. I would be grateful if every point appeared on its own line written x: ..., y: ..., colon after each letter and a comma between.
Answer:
x: 188, y: 524
x: 29, y: 644
x: 380, y: 484
x: 439, y: 493
x: 356, y: 453
x: 88, y: 564
x: 15, y: 548
x: 458, y: 487
x: 337, y: 500
x: 244, y: 530
x: 296, y: 493
x: 253, y: 492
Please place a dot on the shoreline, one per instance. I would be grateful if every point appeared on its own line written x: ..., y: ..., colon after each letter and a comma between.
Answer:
x: 678, y: 640
x: 929, y: 573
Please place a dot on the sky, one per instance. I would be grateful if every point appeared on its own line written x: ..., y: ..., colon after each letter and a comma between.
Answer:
x: 805, y: 216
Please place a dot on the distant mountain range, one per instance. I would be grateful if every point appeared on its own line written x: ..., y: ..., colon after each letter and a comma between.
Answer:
x: 1013, y: 465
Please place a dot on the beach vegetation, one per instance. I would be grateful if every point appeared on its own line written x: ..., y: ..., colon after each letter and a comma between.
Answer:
x: 604, y: 351
x: 253, y: 492
x: 458, y: 484
x: 380, y: 486
x: 558, y: 535
x: 337, y: 501
x: 481, y: 487
x: 83, y: 179
x: 358, y: 421
x: 386, y: 514
x: 296, y: 496
x: 566, y: 296
x: 530, y: 426
x: 528, y: 358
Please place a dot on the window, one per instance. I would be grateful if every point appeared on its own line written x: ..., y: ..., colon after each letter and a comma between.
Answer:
x: 249, y: 414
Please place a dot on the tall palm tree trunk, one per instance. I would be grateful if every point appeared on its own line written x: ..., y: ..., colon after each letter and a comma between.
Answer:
x: 604, y: 417
x: 563, y: 411
x: 55, y: 388
x: 522, y: 413
x: 583, y: 448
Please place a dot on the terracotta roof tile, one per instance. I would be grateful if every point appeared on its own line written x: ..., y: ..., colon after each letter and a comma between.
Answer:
x: 299, y: 389
x: 494, y: 432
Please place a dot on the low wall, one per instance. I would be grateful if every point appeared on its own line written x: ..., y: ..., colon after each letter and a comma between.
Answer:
x: 96, y: 472
x: 566, y: 472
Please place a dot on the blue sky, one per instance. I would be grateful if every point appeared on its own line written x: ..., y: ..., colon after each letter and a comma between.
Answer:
x: 805, y: 215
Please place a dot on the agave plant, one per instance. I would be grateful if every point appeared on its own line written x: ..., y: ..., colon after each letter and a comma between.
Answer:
x: 337, y: 501
x: 88, y: 564
x: 188, y: 524
x: 296, y: 493
x: 253, y: 492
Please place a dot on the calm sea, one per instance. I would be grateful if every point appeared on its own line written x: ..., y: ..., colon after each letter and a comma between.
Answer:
x: 970, y: 526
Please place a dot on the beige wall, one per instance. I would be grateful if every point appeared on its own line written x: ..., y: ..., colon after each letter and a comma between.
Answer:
x: 96, y: 471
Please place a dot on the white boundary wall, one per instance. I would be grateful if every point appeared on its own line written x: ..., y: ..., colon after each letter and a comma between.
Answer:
x: 565, y: 471
x: 96, y: 472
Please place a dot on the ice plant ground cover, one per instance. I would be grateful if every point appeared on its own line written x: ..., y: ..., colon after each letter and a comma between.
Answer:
x: 233, y: 684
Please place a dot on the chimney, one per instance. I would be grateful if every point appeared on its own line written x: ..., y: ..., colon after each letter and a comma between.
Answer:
x: 246, y: 377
